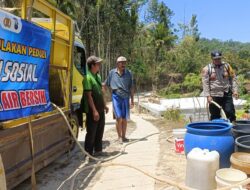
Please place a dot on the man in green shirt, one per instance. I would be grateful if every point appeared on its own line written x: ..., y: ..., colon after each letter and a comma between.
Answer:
x: 94, y: 106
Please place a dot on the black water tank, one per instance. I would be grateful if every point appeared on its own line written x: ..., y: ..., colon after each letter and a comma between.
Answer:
x: 242, y: 144
x: 242, y: 127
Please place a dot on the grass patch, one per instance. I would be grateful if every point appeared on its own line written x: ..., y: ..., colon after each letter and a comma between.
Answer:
x: 173, y: 114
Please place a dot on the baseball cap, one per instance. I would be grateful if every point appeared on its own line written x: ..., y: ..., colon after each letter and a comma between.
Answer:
x: 121, y: 59
x: 216, y: 54
x: 93, y: 59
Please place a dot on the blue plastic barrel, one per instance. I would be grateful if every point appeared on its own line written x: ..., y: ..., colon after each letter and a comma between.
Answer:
x: 212, y: 136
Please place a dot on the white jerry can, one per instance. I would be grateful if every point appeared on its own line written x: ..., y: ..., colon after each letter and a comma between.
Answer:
x: 201, y: 169
x: 2, y: 176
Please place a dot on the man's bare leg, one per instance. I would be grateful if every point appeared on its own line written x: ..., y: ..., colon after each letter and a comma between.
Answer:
x: 124, y: 128
x: 119, y: 127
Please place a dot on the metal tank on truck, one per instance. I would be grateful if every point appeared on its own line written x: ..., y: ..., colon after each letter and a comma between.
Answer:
x: 42, y: 61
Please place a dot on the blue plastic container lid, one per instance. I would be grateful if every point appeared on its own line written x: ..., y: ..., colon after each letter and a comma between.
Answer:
x: 209, y: 128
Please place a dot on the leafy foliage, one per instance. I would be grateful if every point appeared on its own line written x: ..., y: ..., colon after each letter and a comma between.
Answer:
x: 173, y: 114
x: 190, y: 86
x: 242, y: 89
x: 192, y: 82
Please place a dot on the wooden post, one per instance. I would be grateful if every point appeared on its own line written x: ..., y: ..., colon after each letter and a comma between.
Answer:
x: 2, y: 176
x: 33, y: 175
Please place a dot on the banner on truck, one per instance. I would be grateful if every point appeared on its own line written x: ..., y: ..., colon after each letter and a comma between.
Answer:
x: 24, y: 68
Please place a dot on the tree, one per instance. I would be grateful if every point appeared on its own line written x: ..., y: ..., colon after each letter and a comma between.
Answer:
x: 189, y: 58
x: 110, y: 28
x: 67, y: 6
x: 190, y: 29
x: 194, y: 31
x: 10, y: 3
x: 161, y: 38
x: 2, y: 4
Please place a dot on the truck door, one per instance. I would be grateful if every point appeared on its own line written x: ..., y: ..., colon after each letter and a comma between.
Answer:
x: 79, y: 70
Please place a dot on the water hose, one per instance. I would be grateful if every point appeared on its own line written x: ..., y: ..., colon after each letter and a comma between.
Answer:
x: 164, y: 181
x: 99, y: 164
x: 223, y: 115
x: 222, y: 112
x: 84, y: 151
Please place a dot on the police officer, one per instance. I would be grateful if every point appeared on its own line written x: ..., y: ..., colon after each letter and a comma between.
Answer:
x: 220, y: 85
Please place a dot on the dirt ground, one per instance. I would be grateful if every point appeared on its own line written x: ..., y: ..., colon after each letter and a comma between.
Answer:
x: 51, y: 177
x: 170, y: 165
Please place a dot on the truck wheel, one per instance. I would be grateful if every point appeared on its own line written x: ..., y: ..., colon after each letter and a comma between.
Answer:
x: 75, y: 127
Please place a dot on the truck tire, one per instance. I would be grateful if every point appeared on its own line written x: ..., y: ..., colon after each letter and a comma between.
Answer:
x: 74, y: 122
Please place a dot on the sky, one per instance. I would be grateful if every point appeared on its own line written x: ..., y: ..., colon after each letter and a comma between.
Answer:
x: 220, y: 19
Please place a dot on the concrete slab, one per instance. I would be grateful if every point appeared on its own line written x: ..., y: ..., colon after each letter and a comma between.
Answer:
x: 196, y: 107
x: 193, y: 103
x: 143, y: 155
